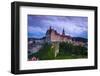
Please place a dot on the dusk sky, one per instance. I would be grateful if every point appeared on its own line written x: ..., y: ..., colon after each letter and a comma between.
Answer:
x: 75, y: 26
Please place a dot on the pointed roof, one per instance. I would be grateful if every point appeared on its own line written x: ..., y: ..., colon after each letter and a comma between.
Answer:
x: 63, y: 32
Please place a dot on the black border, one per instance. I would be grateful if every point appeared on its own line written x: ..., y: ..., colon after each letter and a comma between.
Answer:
x: 15, y: 34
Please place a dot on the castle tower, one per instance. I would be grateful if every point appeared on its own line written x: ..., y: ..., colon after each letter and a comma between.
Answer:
x: 63, y: 32
x: 48, y: 34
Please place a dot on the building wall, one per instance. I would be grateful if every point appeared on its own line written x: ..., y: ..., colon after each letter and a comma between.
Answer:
x: 58, y: 38
x: 54, y: 37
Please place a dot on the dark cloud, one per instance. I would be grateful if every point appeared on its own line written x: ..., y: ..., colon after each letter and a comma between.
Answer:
x: 73, y: 25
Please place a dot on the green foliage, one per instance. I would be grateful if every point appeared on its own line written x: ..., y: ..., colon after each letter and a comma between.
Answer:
x: 46, y: 52
x: 66, y: 51
x: 72, y: 50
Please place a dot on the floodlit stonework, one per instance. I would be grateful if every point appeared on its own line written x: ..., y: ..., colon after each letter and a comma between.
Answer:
x: 53, y: 36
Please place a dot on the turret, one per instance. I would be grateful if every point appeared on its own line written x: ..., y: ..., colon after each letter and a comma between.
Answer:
x: 63, y: 32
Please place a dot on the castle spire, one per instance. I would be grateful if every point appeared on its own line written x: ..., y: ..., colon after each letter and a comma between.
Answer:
x: 63, y: 32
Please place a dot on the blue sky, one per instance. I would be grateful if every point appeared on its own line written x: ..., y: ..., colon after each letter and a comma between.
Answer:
x: 74, y: 26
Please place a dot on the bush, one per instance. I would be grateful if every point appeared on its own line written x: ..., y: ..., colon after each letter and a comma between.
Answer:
x: 68, y: 48
x: 46, y: 52
x: 65, y: 48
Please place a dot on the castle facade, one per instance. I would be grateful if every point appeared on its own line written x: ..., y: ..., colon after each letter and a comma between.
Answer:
x: 53, y: 36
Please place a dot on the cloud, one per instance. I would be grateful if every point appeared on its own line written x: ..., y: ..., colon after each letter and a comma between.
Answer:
x: 73, y: 25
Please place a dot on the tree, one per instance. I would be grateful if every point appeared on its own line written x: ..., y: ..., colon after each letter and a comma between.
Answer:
x: 46, y: 52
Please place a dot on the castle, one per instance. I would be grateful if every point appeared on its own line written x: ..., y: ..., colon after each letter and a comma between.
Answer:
x: 53, y: 36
